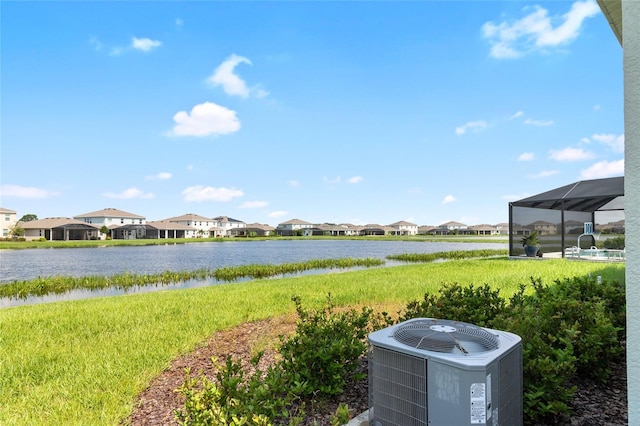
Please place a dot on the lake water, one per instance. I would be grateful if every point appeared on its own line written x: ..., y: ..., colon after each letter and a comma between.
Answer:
x: 32, y: 263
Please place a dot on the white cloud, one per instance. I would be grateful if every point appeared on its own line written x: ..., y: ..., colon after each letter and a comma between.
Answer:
x: 253, y: 204
x: 128, y: 194
x: 448, y: 199
x: 230, y: 82
x: 570, y: 154
x: 615, y: 142
x: 597, y: 107
x: 332, y: 181
x: 278, y: 213
x: 200, y: 193
x: 260, y: 93
x: 116, y: 51
x: 516, y: 115
x: 603, y: 169
x: 179, y: 22
x: 205, y: 119
x: 18, y: 191
x: 160, y: 176
x: 145, y: 44
x: 544, y: 174
x: 97, y: 45
x: 537, y: 31
x: 526, y: 156
x: 294, y: 183
x: 538, y: 122
x: 355, y: 179
x: 474, y: 126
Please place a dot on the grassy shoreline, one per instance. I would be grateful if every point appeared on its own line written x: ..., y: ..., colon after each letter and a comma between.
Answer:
x: 17, y: 245
x: 84, y: 362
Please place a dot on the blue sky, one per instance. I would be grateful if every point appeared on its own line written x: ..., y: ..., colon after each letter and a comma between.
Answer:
x: 342, y: 112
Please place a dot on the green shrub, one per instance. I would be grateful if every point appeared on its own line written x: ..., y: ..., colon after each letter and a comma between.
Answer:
x: 581, y: 303
x: 548, y: 360
x: 324, y: 352
x: 316, y: 361
x: 206, y: 404
x: 615, y: 243
x: 475, y: 305
x: 573, y: 326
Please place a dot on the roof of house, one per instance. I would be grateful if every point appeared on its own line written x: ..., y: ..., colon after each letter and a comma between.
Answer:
x: 111, y: 212
x: 582, y: 196
x: 261, y: 226
x: 3, y: 210
x: 453, y: 223
x: 189, y: 217
x: 226, y: 219
x: 483, y: 227
x: 295, y: 222
x: 167, y: 225
x: 402, y: 223
x: 53, y: 222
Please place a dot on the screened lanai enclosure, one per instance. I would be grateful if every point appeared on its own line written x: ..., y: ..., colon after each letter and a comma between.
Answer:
x: 569, y: 220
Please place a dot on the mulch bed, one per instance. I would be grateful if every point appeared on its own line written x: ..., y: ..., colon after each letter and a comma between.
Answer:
x: 594, y: 404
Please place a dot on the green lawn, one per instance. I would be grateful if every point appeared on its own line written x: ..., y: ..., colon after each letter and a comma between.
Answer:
x: 84, y: 362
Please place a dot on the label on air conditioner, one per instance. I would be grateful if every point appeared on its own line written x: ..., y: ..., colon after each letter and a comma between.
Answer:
x: 478, y: 403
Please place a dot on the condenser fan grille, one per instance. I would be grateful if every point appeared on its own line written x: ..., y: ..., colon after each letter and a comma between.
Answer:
x: 446, y: 337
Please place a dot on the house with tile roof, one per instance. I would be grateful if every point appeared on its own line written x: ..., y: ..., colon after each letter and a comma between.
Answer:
x: 203, y: 226
x: 8, y: 219
x: 375, y: 229
x: 291, y: 227
x: 226, y: 224
x: 60, y: 229
x: 404, y: 228
x: 342, y: 229
x: 111, y: 218
x: 484, y: 229
x: 252, y: 230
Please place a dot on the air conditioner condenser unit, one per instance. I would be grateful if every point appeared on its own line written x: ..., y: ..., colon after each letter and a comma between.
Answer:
x: 435, y: 372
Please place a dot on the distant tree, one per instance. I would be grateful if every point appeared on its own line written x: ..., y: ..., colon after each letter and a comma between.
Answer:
x: 16, y: 231
x: 28, y: 217
x: 105, y: 230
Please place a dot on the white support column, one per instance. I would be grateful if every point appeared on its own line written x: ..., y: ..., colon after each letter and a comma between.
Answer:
x: 631, y: 66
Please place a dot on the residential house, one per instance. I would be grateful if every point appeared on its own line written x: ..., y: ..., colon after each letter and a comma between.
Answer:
x: 343, y: 229
x: 111, y: 218
x: 427, y: 230
x: 404, y: 228
x: 453, y: 226
x: 503, y: 228
x: 164, y: 229
x: 375, y: 229
x: 252, y: 230
x: 8, y: 219
x: 484, y: 229
x: 291, y: 227
x: 203, y: 226
x: 60, y: 229
x: 226, y: 224
x: 543, y: 227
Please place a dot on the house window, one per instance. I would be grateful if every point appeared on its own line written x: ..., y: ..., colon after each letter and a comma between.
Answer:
x: 121, y: 220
